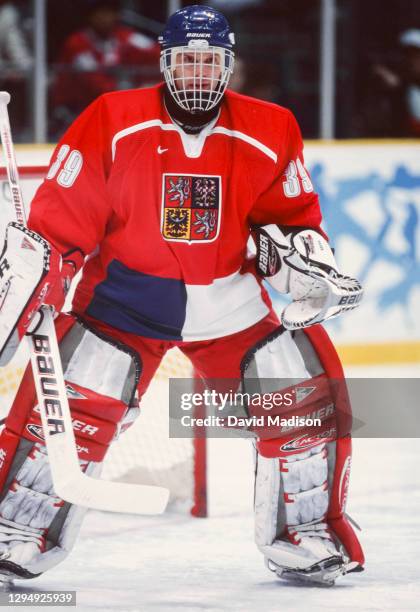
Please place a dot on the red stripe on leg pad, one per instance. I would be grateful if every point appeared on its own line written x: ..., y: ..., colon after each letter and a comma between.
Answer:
x: 345, y: 533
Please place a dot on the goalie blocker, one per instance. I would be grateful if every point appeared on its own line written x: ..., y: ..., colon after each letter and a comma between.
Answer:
x: 300, y: 262
x: 32, y: 273
x: 38, y: 528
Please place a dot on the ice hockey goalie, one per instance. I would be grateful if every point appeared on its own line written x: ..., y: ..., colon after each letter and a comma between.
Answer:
x: 158, y: 190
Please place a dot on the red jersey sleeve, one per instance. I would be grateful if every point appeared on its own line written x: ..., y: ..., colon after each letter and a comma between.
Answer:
x: 290, y: 198
x: 71, y: 208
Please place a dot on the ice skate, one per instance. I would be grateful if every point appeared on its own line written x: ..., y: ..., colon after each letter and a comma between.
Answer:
x: 311, y: 556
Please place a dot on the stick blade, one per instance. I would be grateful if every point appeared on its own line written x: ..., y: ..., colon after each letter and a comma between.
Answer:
x: 109, y: 496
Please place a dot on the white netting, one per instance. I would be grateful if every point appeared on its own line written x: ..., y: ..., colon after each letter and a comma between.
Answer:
x: 145, y: 453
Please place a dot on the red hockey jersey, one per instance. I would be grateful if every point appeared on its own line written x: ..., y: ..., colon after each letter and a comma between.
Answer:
x: 165, y: 217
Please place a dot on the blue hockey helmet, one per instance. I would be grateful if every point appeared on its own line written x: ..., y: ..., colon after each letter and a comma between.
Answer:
x: 197, y: 58
x: 197, y: 22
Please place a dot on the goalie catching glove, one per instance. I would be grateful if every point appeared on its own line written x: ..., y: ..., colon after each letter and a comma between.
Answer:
x: 302, y: 263
x: 32, y: 273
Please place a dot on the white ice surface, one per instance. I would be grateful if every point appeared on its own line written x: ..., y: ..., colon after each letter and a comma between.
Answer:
x: 174, y: 563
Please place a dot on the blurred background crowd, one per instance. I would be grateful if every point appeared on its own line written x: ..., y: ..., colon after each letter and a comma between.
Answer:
x: 95, y: 46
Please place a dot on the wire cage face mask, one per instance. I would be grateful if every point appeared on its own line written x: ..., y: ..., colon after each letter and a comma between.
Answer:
x: 197, y: 75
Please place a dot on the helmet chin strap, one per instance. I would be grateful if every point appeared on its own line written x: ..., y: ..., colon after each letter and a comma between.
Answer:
x: 190, y: 122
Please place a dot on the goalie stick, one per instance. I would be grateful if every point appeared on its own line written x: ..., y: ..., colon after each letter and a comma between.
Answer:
x: 70, y: 483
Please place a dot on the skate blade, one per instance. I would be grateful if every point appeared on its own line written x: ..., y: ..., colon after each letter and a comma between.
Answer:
x: 9, y: 571
x: 324, y: 573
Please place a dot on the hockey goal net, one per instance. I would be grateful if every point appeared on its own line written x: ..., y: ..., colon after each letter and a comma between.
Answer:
x: 144, y: 453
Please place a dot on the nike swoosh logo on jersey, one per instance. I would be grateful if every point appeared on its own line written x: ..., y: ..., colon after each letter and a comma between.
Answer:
x: 160, y: 150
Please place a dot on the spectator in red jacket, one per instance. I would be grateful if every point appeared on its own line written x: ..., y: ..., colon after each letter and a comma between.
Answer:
x: 103, y: 56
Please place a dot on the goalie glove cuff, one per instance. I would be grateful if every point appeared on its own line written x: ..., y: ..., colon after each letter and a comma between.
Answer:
x: 272, y: 246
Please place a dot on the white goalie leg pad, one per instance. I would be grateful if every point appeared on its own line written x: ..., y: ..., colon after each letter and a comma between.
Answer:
x: 305, y: 485
x: 292, y: 489
x: 29, y: 511
x: 291, y: 501
x: 37, y: 528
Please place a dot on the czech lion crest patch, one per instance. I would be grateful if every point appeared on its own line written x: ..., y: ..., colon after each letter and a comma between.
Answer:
x: 191, y: 207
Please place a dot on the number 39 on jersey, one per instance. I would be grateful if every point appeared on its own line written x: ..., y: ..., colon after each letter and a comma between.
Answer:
x: 69, y: 163
x: 295, y: 175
